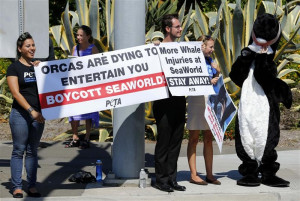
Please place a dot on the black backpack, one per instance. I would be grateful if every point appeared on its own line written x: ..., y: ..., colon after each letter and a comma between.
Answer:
x: 82, y: 177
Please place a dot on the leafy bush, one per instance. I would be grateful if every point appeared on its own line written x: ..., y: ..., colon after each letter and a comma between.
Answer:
x: 230, y: 131
x: 5, y: 95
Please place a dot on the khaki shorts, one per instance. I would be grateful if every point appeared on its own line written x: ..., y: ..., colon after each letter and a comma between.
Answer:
x: 195, y: 113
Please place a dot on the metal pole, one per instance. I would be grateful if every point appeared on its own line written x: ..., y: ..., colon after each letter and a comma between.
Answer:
x: 128, y: 149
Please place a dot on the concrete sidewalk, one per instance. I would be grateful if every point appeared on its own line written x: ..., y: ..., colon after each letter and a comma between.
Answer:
x: 57, y: 164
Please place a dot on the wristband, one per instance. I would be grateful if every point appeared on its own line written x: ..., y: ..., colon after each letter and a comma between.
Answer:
x: 29, y: 110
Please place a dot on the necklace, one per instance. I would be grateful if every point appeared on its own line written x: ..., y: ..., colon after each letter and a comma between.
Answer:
x: 25, y: 62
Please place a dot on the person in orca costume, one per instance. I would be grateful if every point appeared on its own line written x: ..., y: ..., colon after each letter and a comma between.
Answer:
x: 257, y: 124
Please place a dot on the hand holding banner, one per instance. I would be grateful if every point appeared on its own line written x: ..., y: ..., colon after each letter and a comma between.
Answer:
x: 100, y: 81
x: 120, y: 78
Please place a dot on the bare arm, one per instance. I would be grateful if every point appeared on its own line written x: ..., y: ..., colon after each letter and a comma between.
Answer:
x: 216, y: 66
x: 95, y: 50
x: 14, y: 88
x: 216, y: 76
x: 73, y: 49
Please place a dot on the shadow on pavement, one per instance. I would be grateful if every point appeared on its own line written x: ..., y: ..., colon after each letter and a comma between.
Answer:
x: 185, y: 175
x: 55, y: 171
x: 85, y: 157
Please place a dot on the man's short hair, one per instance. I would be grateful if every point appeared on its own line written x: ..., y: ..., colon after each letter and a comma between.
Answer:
x: 167, y: 21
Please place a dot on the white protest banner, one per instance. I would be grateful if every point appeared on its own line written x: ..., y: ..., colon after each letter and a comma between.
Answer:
x: 100, y: 81
x: 185, y: 68
x: 219, y: 112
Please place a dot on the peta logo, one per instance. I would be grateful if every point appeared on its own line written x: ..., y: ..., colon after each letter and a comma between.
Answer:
x: 113, y: 102
x: 28, y: 74
x: 29, y: 77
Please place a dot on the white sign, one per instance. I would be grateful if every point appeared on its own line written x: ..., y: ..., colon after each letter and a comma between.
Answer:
x: 18, y: 16
x: 112, y: 79
x: 101, y: 81
x: 219, y: 112
x: 185, y: 69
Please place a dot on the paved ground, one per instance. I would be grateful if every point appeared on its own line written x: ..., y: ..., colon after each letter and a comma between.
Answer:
x: 57, y: 164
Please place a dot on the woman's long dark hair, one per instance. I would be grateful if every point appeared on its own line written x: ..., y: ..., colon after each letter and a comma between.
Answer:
x: 88, y: 31
x: 24, y: 36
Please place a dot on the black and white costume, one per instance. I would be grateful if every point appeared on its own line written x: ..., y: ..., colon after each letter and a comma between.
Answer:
x: 257, y: 125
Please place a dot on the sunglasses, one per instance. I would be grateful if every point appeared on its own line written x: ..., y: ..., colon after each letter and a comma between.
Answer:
x: 24, y: 36
x: 206, y: 37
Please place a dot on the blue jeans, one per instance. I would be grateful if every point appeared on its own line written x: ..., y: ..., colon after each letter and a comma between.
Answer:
x: 26, y: 135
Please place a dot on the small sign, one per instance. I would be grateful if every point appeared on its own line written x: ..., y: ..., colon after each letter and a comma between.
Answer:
x: 219, y: 112
x: 185, y: 68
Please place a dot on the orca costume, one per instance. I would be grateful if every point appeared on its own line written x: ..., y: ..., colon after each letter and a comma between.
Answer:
x: 257, y: 124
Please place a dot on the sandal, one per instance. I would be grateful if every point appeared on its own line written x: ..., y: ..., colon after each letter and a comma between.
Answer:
x: 73, y: 143
x: 85, y: 144
x: 215, y: 181
x: 34, y: 193
x: 18, y: 193
x: 198, y: 182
